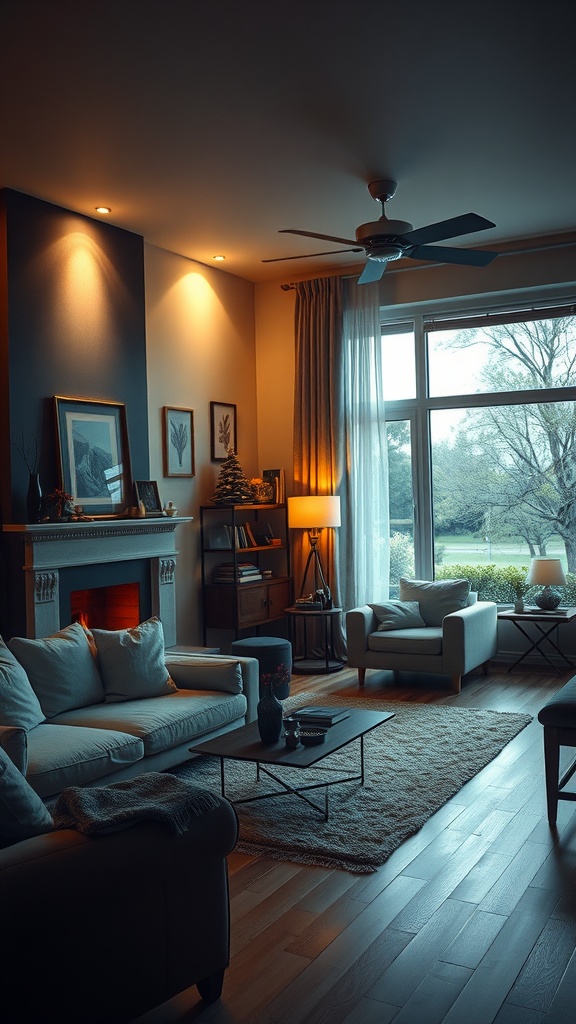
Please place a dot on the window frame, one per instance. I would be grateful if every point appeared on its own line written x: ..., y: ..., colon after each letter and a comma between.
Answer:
x: 419, y: 409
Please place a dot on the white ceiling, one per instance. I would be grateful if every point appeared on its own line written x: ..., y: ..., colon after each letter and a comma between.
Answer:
x: 208, y: 125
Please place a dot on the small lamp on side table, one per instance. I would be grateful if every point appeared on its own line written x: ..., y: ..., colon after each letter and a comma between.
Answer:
x: 548, y: 573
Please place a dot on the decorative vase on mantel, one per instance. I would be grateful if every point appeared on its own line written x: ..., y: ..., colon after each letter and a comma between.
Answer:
x: 34, y: 499
x: 269, y: 717
x: 519, y: 605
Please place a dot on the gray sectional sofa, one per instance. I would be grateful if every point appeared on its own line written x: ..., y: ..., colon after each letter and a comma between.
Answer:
x: 89, y: 708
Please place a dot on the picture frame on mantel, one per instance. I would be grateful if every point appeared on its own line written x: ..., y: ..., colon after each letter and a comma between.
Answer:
x: 178, y: 441
x: 93, y: 454
x: 222, y: 430
x: 146, y: 492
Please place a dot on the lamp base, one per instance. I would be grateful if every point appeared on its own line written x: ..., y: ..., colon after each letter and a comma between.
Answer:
x: 548, y: 600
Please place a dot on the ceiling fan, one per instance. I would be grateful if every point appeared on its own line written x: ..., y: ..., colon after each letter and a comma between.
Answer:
x: 385, y: 240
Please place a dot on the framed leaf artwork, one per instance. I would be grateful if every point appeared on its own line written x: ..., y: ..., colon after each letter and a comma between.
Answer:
x: 178, y: 441
x: 222, y: 430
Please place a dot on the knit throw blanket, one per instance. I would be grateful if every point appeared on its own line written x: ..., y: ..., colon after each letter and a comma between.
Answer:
x: 151, y: 797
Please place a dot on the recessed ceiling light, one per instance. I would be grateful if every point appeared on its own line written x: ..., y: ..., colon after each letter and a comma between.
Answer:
x: 219, y: 258
x: 103, y: 209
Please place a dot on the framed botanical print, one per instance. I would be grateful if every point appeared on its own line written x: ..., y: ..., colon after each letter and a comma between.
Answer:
x: 178, y: 441
x: 94, y: 458
x: 222, y: 430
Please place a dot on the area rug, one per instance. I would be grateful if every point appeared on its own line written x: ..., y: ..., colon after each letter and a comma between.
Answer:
x: 413, y: 765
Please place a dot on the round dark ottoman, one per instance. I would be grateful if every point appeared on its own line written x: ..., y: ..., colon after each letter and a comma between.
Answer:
x: 270, y: 652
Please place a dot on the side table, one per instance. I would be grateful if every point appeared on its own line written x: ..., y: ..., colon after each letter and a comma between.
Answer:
x: 310, y: 665
x: 545, y: 623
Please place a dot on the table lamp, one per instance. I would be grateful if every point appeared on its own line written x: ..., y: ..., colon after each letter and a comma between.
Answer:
x: 548, y: 573
x: 314, y: 513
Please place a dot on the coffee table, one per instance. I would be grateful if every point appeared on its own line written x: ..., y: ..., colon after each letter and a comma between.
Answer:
x: 244, y: 744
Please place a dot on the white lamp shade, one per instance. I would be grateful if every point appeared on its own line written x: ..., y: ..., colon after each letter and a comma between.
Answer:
x: 546, y: 572
x: 314, y: 512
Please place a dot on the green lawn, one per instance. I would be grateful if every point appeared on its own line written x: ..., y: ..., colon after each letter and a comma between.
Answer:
x: 466, y: 550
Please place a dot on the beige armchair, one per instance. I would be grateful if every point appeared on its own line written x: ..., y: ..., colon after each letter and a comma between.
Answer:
x: 438, y: 627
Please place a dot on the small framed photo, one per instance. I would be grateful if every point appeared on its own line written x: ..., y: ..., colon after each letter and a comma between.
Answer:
x: 147, y: 492
x: 178, y: 441
x: 93, y: 454
x: 222, y: 430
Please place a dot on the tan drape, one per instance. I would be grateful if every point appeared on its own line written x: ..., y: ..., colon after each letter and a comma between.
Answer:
x: 318, y: 415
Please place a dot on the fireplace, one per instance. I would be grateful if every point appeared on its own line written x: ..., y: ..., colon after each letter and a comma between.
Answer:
x: 120, y: 556
x: 114, y: 607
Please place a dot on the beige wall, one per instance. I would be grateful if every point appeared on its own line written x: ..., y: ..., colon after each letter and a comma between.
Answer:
x: 200, y: 348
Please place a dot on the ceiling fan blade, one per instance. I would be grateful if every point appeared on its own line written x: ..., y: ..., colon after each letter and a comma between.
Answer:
x: 313, y: 234
x: 308, y: 255
x: 373, y: 271
x: 463, y: 225
x: 444, y: 254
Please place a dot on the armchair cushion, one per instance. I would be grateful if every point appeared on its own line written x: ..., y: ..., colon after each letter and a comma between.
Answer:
x: 424, y: 641
x: 436, y: 598
x: 398, y: 615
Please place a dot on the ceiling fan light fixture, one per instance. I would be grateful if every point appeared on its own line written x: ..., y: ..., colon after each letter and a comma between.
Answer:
x: 385, y: 253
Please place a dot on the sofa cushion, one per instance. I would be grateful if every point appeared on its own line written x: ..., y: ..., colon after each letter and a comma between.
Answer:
x: 408, y: 641
x: 436, y: 598
x: 59, y: 756
x: 19, y: 705
x: 22, y: 813
x: 398, y: 615
x: 163, y: 722
x: 210, y: 673
x: 132, y: 662
x: 61, y: 669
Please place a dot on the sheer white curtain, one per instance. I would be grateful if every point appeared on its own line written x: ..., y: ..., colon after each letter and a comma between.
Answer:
x: 364, y: 552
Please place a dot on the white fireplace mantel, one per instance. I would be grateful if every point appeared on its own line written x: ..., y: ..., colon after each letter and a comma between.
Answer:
x: 50, y: 547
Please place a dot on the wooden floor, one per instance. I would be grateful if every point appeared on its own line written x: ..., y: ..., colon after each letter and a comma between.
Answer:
x: 472, y: 921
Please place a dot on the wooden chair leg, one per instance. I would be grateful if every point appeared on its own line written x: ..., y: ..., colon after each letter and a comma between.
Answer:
x: 456, y: 684
x: 552, y: 770
x: 361, y: 676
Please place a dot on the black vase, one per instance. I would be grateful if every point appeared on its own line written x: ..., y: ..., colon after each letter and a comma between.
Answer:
x: 269, y: 718
x: 34, y: 498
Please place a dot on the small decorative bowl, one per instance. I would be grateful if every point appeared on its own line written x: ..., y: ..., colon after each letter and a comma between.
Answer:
x: 311, y: 737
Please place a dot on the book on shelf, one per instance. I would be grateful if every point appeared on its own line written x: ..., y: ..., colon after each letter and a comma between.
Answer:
x: 252, y: 542
x: 242, y: 572
x: 323, y: 716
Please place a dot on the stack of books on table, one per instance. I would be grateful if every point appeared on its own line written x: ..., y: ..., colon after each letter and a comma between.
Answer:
x: 321, y: 716
x: 242, y: 572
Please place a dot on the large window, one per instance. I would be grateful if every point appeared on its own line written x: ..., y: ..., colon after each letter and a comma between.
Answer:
x: 481, y: 429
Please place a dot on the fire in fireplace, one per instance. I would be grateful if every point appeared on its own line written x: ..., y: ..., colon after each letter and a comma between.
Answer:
x: 112, y: 607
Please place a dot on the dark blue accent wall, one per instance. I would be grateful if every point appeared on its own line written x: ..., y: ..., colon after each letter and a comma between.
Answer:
x: 76, y: 327
x: 72, y: 323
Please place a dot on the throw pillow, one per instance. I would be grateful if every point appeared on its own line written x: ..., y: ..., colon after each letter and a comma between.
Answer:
x: 19, y: 705
x: 61, y: 669
x: 22, y: 813
x: 208, y: 674
x: 398, y: 615
x: 436, y: 598
x: 132, y: 662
